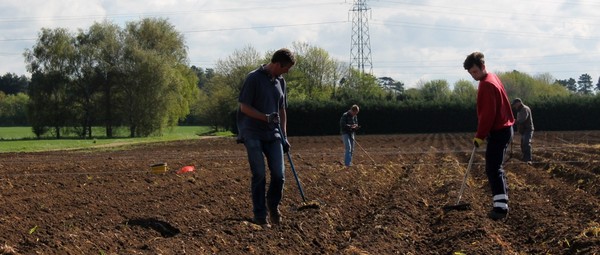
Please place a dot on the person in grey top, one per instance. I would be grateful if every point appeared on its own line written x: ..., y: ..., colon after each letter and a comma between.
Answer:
x: 524, y: 125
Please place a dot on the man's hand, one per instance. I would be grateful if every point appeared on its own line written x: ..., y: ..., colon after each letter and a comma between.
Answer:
x: 477, y: 142
x: 286, y: 146
x: 273, y: 118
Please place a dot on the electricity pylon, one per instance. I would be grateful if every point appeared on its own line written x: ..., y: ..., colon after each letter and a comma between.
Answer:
x: 360, y: 48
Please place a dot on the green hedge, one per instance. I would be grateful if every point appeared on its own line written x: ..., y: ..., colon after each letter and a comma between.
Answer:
x: 322, y: 118
x: 570, y: 113
x: 384, y: 117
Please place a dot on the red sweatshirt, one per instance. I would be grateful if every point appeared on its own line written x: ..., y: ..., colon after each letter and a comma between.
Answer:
x: 493, y: 108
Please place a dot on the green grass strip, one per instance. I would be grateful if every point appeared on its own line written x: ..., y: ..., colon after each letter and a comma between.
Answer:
x: 21, y: 139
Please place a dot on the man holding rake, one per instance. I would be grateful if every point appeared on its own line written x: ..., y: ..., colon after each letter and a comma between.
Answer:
x: 495, y: 120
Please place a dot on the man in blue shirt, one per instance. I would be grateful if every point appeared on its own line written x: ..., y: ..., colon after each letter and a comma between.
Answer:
x: 263, y: 102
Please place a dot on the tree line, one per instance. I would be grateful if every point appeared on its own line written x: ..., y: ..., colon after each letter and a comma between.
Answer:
x: 138, y: 77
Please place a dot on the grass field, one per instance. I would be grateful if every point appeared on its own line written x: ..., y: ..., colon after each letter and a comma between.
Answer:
x: 22, y: 139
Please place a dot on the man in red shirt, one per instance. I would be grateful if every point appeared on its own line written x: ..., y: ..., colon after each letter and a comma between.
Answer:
x: 495, y: 120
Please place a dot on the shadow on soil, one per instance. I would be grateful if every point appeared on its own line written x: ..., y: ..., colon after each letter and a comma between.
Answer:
x: 164, y: 228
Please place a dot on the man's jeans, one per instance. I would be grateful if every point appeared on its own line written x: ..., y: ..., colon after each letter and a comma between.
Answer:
x: 348, y: 147
x: 526, y: 145
x: 273, y: 151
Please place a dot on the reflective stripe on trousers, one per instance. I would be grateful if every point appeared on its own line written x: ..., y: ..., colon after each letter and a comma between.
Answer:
x: 501, y: 201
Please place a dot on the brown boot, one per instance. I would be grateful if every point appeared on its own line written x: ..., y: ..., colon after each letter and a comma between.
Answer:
x: 275, y: 216
x: 261, y: 222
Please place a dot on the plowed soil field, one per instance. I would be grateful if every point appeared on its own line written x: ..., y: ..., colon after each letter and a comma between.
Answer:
x: 107, y: 201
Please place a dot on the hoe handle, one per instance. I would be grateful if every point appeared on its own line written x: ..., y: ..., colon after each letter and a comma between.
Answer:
x: 372, y: 160
x: 462, y: 187
x: 296, y: 176
x: 292, y: 164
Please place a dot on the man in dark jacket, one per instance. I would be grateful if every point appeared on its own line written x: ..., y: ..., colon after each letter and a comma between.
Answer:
x: 349, y: 124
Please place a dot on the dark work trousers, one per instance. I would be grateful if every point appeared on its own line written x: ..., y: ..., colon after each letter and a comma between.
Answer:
x: 496, y: 149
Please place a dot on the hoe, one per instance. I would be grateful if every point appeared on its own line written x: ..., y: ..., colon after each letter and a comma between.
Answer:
x: 372, y: 160
x: 305, y: 205
x: 462, y: 206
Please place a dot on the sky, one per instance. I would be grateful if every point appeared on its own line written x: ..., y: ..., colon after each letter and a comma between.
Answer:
x: 412, y: 41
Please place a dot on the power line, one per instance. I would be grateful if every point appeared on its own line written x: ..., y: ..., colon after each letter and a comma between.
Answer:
x: 9, y: 54
x: 18, y: 39
x: 487, y: 31
x: 164, y: 13
x: 494, y: 13
x: 265, y: 27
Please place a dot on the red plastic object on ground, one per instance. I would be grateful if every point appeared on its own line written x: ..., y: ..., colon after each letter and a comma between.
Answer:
x: 186, y: 169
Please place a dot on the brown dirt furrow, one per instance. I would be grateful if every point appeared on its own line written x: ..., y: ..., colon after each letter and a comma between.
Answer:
x: 108, y: 202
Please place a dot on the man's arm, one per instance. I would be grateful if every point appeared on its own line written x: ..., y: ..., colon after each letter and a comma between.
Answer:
x: 283, y: 121
x: 486, y: 109
x: 252, y: 112
x: 522, y: 116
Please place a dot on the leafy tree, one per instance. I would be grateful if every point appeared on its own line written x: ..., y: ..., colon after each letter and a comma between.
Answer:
x: 217, y: 103
x: 182, y: 80
x: 413, y: 94
x: 235, y: 67
x: 388, y: 83
x: 436, y: 90
x: 315, y: 73
x: 204, y: 76
x: 464, y: 91
x: 518, y: 84
x: 198, y: 106
x: 551, y: 90
x: 545, y: 78
x: 11, y: 83
x: 544, y: 87
x: 158, y: 86
x: 342, y: 70
x: 569, y: 84
x: 360, y: 87
x: 585, y: 84
x: 106, y: 45
x: 50, y: 62
x: 138, y: 76
x: 86, y: 88
x: 13, y: 109
x: 4, y: 112
x: 218, y: 98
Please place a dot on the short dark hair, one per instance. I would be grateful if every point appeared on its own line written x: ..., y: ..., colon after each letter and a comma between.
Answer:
x: 517, y: 100
x: 475, y: 58
x: 283, y: 56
